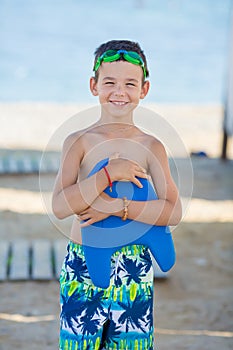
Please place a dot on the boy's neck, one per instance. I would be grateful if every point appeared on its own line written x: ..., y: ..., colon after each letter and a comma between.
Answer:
x: 116, y: 120
x: 116, y: 128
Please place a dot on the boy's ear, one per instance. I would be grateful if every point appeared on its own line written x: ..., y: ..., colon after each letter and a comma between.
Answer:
x: 93, y: 86
x: 145, y: 89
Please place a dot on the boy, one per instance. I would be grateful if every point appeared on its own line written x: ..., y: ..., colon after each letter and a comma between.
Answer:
x: 121, y: 316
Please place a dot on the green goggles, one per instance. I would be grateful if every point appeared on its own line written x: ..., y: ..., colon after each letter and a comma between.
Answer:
x: 114, y: 55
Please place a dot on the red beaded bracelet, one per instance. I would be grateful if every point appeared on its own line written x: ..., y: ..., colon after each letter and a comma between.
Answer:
x: 109, y: 179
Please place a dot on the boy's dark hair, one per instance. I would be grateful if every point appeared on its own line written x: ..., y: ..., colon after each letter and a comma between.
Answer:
x: 121, y: 45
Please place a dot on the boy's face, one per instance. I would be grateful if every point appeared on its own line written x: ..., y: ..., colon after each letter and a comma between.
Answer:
x: 119, y: 86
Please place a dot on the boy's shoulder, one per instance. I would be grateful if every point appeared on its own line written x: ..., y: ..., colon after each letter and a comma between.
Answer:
x: 151, y: 140
x: 154, y: 146
x: 79, y: 135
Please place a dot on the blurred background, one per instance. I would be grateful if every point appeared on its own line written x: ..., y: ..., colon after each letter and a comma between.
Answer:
x: 46, y: 59
x: 47, y: 47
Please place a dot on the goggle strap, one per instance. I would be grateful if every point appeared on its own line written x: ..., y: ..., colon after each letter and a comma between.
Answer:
x: 116, y: 56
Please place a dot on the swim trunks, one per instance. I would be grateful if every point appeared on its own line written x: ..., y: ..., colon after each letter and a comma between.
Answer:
x: 119, y: 317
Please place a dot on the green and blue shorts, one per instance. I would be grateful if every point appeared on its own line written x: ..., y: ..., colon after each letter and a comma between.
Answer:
x: 119, y: 317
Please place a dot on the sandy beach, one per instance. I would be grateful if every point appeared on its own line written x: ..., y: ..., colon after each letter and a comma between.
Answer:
x: 194, y: 305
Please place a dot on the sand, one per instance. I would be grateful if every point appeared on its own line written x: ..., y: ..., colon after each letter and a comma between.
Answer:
x: 193, y: 306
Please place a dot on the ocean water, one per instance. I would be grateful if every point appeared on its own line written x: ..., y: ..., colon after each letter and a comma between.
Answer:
x: 47, y: 46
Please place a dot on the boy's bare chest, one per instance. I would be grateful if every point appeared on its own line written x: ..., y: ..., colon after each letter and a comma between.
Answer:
x: 97, y: 148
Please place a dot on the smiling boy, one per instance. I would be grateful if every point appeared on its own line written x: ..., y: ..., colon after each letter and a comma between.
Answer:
x: 121, y: 316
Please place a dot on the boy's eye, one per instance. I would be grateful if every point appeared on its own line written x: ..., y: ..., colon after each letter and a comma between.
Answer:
x: 130, y: 84
x: 109, y: 83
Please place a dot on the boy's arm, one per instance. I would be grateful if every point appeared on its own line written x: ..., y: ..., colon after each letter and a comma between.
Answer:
x: 162, y: 212
x: 70, y: 197
x: 167, y: 209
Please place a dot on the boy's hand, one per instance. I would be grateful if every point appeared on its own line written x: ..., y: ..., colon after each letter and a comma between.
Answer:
x: 97, y: 212
x: 91, y: 215
x: 125, y: 169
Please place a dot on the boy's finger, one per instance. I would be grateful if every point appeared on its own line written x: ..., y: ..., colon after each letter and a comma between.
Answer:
x: 138, y: 183
x: 142, y: 170
x: 114, y: 155
x: 143, y: 175
x: 86, y: 223
x: 85, y: 217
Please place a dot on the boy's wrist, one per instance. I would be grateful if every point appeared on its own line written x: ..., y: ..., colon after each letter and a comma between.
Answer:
x: 117, y: 206
x: 111, y: 172
x: 105, y: 176
x: 121, y: 208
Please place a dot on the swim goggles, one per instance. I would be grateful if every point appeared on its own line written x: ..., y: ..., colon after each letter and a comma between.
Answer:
x: 114, y: 55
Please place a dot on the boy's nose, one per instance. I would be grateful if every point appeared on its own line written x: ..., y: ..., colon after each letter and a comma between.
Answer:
x: 119, y: 90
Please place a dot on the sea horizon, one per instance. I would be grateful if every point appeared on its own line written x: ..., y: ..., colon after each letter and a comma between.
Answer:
x: 47, y: 51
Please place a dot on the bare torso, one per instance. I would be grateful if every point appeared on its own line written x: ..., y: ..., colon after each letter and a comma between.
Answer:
x: 98, y: 145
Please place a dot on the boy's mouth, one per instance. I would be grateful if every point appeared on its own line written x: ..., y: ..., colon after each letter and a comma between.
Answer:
x: 118, y: 103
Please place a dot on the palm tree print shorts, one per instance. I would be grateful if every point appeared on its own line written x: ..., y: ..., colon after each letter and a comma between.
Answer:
x: 119, y: 317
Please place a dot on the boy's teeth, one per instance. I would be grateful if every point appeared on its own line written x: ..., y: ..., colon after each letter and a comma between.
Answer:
x: 119, y: 102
